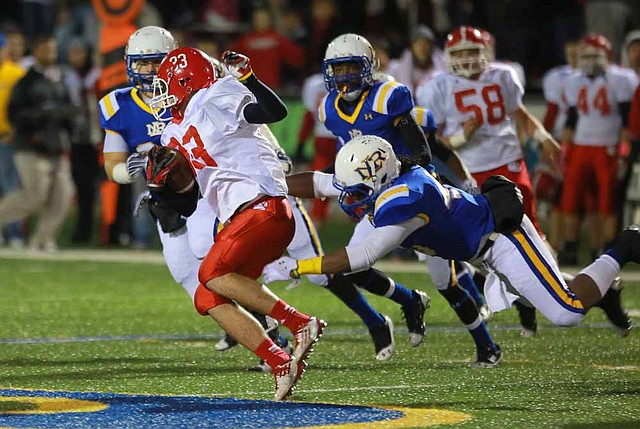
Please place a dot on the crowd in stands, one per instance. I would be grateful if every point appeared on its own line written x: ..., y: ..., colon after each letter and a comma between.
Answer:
x: 52, y: 135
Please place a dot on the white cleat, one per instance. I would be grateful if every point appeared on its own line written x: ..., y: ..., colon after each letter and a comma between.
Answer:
x: 286, y: 376
x: 307, y: 336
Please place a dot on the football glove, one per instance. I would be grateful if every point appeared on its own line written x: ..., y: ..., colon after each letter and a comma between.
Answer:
x: 161, y: 160
x: 470, y: 186
x: 238, y: 65
x: 136, y: 162
x: 284, y: 268
x: 143, y: 199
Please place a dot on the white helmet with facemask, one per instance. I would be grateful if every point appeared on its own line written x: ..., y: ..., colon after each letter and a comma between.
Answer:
x: 347, y: 48
x: 365, y: 166
x: 149, y: 43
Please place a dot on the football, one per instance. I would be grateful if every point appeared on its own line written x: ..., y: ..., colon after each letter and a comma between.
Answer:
x: 168, y: 167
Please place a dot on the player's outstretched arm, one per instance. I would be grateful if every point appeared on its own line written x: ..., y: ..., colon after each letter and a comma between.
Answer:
x: 551, y: 151
x: 312, y: 184
x: 269, y: 107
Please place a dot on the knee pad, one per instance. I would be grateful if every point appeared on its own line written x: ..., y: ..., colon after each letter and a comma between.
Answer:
x: 206, y: 299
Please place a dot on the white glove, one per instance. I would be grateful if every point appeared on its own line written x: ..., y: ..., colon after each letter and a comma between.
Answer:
x: 279, y: 269
x: 470, y: 186
x: 136, y: 162
x: 238, y: 65
x: 143, y: 199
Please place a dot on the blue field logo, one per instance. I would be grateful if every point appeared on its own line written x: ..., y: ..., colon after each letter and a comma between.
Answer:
x: 45, y: 409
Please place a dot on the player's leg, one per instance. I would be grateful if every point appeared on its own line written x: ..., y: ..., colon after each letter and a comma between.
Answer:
x: 414, y: 302
x: 237, y: 259
x: 306, y: 244
x: 606, y: 169
x: 464, y: 276
x: 488, y: 352
x: 571, y: 194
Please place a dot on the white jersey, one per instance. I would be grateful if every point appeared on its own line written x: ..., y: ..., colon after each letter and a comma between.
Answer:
x: 553, y: 83
x: 313, y: 91
x: 490, y: 99
x: 233, y: 161
x: 597, y: 100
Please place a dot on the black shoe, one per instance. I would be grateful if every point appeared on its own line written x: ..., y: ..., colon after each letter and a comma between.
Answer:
x: 489, y: 357
x: 527, y: 319
x: 414, y: 316
x: 612, y: 307
x: 383, y: 340
x: 226, y: 343
x: 627, y: 244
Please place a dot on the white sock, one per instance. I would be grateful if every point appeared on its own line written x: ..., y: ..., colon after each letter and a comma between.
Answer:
x: 603, y: 272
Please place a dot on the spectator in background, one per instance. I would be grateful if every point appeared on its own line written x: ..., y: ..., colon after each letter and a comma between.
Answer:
x: 40, y: 111
x: 631, y: 51
x: 323, y: 26
x: 81, y: 77
x: 269, y: 51
x: 10, y: 73
x: 420, y: 61
x: 16, y: 48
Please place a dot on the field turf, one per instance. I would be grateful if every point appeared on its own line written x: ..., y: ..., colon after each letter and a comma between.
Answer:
x: 127, y: 328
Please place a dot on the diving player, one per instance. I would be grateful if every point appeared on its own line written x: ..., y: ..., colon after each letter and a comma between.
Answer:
x: 357, y: 105
x: 412, y: 209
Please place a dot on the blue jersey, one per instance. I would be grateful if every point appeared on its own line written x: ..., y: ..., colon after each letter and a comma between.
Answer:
x: 374, y: 114
x: 456, y: 221
x: 122, y: 111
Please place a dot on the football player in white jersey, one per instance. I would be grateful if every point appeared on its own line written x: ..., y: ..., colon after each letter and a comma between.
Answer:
x: 216, y: 126
x: 598, y: 96
x: 478, y: 108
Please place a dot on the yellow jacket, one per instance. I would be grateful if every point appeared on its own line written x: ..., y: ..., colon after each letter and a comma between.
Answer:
x: 10, y: 73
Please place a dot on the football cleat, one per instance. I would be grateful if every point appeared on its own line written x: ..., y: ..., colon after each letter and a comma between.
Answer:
x: 612, y: 307
x: 262, y: 366
x: 414, y: 316
x: 226, y: 343
x: 306, y: 336
x: 489, y: 357
x: 383, y: 340
x: 527, y: 319
x: 627, y: 244
x: 286, y: 376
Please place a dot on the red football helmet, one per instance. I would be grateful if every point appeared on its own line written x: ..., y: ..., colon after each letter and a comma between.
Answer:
x: 490, y: 43
x: 466, y: 51
x: 182, y: 72
x: 594, y: 54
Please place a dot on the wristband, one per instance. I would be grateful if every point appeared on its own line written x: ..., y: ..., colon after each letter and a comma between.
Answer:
x: 308, y: 266
x: 457, y: 140
x: 541, y: 135
x: 246, y: 76
x: 120, y: 174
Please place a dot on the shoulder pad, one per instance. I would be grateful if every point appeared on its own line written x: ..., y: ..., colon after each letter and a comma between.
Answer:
x: 392, y: 98
x: 108, y: 106
x: 395, y: 205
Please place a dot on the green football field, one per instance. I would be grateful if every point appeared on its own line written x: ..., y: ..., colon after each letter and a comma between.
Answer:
x: 124, y: 327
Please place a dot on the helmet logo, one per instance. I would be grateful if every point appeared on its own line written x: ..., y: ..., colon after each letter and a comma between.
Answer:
x: 372, y: 164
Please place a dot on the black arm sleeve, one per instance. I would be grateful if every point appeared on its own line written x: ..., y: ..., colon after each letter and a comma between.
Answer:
x: 268, y: 108
x: 572, y: 118
x: 415, y: 138
x: 438, y: 148
x: 624, y: 109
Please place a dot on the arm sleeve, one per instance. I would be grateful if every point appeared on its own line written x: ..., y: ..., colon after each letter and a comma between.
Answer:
x: 624, y: 108
x: 572, y: 118
x: 438, y: 148
x: 550, y: 116
x: 268, y: 108
x: 323, y: 185
x: 380, y: 242
x: 414, y: 137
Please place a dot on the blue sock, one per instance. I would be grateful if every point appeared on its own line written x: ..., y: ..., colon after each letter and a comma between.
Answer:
x: 401, y: 294
x: 359, y: 305
x: 480, y: 334
x: 466, y: 281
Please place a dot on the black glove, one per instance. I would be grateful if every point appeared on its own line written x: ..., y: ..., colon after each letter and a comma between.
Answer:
x: 170, y: 220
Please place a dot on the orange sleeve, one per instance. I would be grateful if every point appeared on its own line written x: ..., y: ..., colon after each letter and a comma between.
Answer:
x: 550, y: 117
